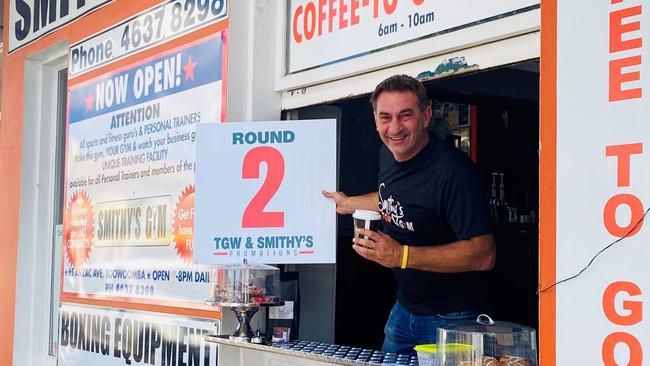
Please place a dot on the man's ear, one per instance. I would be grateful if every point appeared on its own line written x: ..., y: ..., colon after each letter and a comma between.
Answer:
x: 427, y: 116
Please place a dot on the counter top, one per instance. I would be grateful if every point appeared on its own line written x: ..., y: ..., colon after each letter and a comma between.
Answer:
x: 323, y: 352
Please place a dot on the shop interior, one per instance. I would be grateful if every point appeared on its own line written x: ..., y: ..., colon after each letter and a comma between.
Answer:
x: 493, y: 116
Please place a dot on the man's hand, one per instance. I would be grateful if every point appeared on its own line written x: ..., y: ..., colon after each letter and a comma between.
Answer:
x: 475, y: 254
x: 379, y: 248
x: 341, y: 200
x: 345, y: 205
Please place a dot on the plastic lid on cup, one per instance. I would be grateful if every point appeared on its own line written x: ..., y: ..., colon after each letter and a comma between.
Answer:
x: 366, y: 215
x: 427, y: 348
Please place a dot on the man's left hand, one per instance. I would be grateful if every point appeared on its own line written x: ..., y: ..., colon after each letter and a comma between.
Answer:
x: 379, y: 248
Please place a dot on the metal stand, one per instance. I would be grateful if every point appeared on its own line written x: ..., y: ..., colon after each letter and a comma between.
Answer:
x: 244, y: 314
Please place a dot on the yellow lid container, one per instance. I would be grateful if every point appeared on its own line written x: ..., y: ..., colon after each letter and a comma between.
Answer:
x: 427, y: 352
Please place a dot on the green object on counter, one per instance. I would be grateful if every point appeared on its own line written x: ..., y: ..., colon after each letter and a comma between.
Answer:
x: 451, y: 347
x: 428, y: 348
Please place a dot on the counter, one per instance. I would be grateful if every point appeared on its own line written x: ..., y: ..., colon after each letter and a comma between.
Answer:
x: 305, y: 353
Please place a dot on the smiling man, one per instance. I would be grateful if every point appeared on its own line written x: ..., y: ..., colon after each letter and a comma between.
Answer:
x: 436, y: 224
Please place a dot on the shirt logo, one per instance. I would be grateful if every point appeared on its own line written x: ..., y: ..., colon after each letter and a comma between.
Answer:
x: 392, y: 211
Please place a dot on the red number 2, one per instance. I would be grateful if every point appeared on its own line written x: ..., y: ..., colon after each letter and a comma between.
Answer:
x: 254, y: 215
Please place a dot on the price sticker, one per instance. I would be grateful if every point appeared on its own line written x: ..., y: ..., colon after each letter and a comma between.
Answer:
x: 258, y: 192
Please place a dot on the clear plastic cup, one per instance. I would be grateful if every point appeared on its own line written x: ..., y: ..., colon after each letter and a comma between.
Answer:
x: 426, y: 354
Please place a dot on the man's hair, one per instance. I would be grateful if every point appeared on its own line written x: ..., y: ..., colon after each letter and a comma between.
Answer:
x: 401, y: 83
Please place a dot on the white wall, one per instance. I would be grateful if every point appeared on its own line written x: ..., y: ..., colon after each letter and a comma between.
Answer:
x: 251, y: 82
x: 251, y: 61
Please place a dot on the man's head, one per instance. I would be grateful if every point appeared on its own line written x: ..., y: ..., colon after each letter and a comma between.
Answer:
x: 402, y: 114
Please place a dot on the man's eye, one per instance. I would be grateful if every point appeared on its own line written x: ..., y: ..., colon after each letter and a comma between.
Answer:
x: 405, y: 115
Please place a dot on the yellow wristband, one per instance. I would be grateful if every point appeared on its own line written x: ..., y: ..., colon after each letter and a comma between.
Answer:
x: 405, y: 256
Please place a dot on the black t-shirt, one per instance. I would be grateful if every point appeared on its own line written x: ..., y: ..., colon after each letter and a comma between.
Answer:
x: 434, y: 198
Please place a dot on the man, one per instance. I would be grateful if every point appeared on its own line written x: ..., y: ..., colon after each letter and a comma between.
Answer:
x: 437, y: 232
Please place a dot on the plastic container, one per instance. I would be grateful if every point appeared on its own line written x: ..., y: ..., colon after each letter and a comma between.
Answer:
x: 244, y: 284
x: 486, y: 343
x: 426, y: 354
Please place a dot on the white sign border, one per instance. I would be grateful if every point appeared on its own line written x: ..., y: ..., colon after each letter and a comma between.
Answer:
x: 222, y: 16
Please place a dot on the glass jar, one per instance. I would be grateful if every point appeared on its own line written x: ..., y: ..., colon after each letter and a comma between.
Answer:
x: 244, y: 284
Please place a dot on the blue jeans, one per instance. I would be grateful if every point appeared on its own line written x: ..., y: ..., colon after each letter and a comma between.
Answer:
x: 405, y: 330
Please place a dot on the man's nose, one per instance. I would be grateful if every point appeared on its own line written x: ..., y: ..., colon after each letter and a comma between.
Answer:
x: 395, y: 126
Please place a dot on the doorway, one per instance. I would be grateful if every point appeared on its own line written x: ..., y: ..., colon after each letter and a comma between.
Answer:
x: 496, y: 113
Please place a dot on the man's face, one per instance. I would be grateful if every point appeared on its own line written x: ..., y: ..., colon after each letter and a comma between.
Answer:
x: 402, y: 126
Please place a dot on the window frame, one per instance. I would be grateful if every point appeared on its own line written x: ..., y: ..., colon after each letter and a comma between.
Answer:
x: 38, y: 272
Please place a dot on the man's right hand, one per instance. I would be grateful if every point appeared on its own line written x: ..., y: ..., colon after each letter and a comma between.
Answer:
x: 341, y: 200
x: 345, y: 205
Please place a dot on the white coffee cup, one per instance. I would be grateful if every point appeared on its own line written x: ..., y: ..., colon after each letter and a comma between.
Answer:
x: 366, y: 219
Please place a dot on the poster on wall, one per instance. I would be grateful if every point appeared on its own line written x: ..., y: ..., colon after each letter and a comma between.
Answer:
x: 325, y: 32
x: 160, y: 23
x: 603, y: 183
x: 261, y: 200
x: 103, y: 337
x: 130, y: 165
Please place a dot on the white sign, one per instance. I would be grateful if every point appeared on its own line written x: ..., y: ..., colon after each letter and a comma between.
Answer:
x: 129, y: 222
x: 259, y: 190
x: 603, y: 183
x: 323, y: 32
x: 32, y: 19
x: 109, y: 337
x: 281, y: 312
x: 156, y: 25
